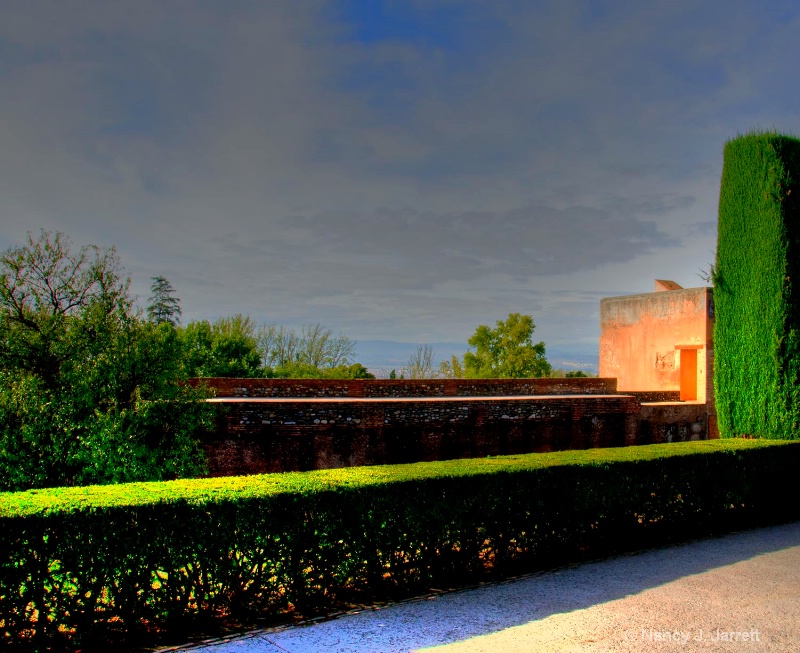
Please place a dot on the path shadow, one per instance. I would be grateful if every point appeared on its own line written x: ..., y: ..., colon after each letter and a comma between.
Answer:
x: 488, y: 609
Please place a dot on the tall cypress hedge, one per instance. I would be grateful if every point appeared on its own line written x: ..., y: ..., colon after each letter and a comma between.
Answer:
x: 757, y: 288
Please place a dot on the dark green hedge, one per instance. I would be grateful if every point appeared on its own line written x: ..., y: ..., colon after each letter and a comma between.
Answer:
x: 77, y: 564
x: 757, y: 278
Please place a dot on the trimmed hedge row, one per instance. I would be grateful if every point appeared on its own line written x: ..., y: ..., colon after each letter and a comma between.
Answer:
x: 77, y: 564
x: 757, y: 284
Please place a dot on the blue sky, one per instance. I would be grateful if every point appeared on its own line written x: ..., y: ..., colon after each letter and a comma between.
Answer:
x: 394, y: 170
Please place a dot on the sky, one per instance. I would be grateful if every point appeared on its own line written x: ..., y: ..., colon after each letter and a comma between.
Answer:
x: 394, y: 170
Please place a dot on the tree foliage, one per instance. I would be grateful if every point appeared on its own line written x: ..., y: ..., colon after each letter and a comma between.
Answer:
x: 353, y: 371
x: 756, y: 294
x: 227, y: 347
x: 163, y: 306
x: 507, y: 351
x: 452, y: 369
x: 237, y: 347
x: 88, y: 390
x: 56, y: 304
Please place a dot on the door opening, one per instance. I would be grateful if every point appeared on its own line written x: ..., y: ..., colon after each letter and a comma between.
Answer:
x: 688, y: 374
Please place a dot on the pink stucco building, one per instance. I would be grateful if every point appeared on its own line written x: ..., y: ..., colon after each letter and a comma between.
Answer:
x: 660, y: 341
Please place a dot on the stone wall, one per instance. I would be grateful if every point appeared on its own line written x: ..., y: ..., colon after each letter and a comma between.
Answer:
x: 225, y: 387
x: 674, y: 422
x: 276, y: 425
x: 655, y: 395
x: 274, y: 435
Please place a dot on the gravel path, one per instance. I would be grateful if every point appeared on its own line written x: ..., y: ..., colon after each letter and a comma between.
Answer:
x: 737, y: 593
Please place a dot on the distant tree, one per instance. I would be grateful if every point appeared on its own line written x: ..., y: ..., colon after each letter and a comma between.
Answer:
x: 507, y: 351
x: 420, y: 365
x: 452, y: 369
x: 163, y: 306
x: 299, y: 371
x: 354, y: 371
x: 278, y: 345
x: 559, y: 373
x: 226, y: 348
x: 392, y: 375
x: 320, y: 347
x: 313, y: 346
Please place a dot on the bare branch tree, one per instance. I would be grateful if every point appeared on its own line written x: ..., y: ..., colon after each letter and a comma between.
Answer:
x: 279, y: 345
x: 315, y: 346
x: 420, y: 366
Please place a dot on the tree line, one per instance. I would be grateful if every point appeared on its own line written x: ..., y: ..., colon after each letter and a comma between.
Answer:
x: 92, y: 387
x: 236, y: 346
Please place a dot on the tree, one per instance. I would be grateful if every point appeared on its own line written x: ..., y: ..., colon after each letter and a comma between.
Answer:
x: 452, y: 369
x: 420, y: 365
x: 163, y: 306
x: 756, y: 291
x: 354, y: 371
x: 507, y: 351
x: 320, y: 347
x: 88, y: 391
x: 314, y: 346
x: 54, y: 302
x: 278, y: 346
x: 299, y: 371
x: 226, y: 348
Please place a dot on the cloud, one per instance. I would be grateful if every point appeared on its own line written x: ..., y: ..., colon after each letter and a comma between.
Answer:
x: 410, y: 248
x: 394, y: 168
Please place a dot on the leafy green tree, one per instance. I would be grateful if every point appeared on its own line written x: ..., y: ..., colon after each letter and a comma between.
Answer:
x: 226, y: 348
x: 507, y: 351
x: 299, y: 371
x: 452, y: 369
x: 55, y: 303
x: 88, y: 391
x: 236, y: 347
x: 163, y: 306
x: 354, y: 371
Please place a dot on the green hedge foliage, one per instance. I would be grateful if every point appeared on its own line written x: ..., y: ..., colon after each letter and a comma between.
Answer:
x: 757, y: 276
x: 78, y: 564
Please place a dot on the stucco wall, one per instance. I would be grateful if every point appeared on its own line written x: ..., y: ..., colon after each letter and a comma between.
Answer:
x: 643, y: 338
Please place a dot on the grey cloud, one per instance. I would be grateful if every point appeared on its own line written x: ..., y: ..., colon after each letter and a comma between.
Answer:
x: 657, y: 204
x: 704, y: 228
x: 422, y: 249
x: 268, y: 161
